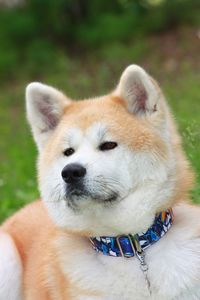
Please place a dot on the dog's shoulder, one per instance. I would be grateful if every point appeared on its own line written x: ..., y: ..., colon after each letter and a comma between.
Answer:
x: 187, y: 215
x: 34, y: 235
x: 27, y: 225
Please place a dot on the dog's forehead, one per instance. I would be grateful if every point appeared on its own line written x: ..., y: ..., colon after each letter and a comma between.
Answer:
x: 108, y: 118
x: 85, y: 113
x: 95, y: 133
x: 91, y: 117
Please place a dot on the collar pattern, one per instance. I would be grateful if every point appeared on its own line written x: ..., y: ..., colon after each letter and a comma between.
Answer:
x: 131, y: 245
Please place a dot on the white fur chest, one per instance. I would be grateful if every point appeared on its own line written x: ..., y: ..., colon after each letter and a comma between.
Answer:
x: 174, y: 269
x: 109, y: 277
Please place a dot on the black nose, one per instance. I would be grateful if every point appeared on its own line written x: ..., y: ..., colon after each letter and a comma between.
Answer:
x: 73, y: 172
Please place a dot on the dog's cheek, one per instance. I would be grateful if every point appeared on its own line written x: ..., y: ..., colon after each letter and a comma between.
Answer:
x: 119, y: 170
x: 51, y: 185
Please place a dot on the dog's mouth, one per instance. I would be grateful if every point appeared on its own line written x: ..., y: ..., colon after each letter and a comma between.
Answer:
x: 76, y: 196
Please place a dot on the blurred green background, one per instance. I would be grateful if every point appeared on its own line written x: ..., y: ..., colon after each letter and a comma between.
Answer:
x: 81, y: 47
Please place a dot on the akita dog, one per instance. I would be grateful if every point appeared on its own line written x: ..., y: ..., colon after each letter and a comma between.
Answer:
x: 114, y: 222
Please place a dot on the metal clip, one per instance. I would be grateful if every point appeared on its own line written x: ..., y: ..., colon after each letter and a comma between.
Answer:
x: 144, y: 268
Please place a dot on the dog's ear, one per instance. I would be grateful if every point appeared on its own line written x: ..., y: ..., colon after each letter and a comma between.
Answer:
x: 45, y: 107
x: 138, y: 90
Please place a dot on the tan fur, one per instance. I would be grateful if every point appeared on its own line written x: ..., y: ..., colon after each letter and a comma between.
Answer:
x: 35, y: 235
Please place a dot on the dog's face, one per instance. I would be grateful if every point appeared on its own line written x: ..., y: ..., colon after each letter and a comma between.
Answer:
x: 106, y: 165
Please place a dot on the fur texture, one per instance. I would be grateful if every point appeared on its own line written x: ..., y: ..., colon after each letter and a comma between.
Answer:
x: 124, y: 187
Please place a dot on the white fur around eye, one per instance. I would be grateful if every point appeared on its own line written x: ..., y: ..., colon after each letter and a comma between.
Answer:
x: 73, y: 138
x: 97, y: 133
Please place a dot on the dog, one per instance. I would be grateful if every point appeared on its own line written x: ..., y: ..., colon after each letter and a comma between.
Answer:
x: 115, y: 221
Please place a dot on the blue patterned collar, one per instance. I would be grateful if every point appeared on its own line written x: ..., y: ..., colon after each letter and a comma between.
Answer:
x: 131, y: 245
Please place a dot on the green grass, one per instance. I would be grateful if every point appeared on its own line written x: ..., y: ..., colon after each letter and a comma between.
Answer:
x: 82, y: 77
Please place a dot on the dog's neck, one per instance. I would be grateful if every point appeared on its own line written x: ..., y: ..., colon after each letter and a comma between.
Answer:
x: 134, y: 245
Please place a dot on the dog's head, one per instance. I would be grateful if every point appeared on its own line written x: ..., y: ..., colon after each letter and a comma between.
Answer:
x: 107, y: 165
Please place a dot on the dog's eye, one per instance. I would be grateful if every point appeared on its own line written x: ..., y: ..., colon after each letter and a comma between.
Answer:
x: 107, y: 146
x: 68, y: 151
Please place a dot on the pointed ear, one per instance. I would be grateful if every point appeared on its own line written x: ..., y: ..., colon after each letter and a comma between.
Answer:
x: 45, y: 107
x: 138, y: 90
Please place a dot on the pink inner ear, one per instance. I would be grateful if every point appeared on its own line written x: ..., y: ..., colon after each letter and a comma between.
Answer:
x: 49, y: 116
x: 140, y: 96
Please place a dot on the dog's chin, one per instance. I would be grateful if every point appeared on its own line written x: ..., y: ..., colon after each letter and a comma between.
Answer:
x: 78, y: 199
